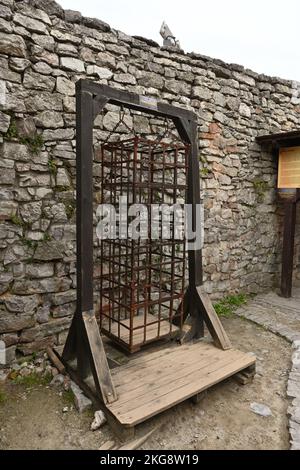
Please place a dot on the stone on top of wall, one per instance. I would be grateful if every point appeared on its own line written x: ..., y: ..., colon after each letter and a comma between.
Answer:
x: 49, y: 6
x: 221, y: 68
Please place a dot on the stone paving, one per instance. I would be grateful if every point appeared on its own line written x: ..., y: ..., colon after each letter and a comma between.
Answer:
x: 282, y: 317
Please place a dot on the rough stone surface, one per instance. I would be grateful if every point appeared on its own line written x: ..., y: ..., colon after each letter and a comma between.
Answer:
x: 75, y: 65
x: 30, y: 23
x: 260, y: 409
x: 49, y: 251
x: 73, y: 16
x: 95, y: 23
x: 99, y: 420
x: 57, y: 381
x: 26, y: 128
x: 38, y: 82
x: 49, y: 6
x: 31, y: 212
x: 65, y: 86
x: 49, y: 119
x: 101, y: 72
x: 82, y: 403
x: 20, y: 304
x: 12, y: 45
x: 3, y: 99
x: 43, y: 314
x: 4, y: 122
x: 44, y: 101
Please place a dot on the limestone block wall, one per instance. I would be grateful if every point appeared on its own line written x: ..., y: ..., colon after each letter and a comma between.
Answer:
x: 44, y: 50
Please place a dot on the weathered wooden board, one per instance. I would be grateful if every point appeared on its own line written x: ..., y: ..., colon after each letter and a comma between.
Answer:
x: 152, y: 333
x: 212, y: 320
x: 154, y: 382
x: 289, y: 168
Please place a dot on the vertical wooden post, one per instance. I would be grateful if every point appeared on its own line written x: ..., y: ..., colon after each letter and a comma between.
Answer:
x: 187, y: 130
x: 288, y: 248
x: 84, y: 337
x: 84, y: 188
x: 84, y: 221
x: 195, y: 257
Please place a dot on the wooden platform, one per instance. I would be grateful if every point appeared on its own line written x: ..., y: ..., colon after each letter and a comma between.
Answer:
x: 153, y: 382
x: 139, y: 338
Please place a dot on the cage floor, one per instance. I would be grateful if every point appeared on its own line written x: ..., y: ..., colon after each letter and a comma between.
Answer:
x: 153, y: 382
x: 139, y: 338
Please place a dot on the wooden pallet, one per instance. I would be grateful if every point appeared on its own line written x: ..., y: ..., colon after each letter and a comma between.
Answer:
x: 154, y: 382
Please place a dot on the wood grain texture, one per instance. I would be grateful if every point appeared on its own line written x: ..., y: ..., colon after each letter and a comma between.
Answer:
x: 138, y: 335
x: 98, y: 360
x: 152, y: 383
x: 289, y: 168
x: 212, y: 320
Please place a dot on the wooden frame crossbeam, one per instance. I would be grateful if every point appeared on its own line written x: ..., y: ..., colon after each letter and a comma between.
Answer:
x: 84, y: 349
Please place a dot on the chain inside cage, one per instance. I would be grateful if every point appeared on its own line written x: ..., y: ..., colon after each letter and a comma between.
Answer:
x: 142, y: 281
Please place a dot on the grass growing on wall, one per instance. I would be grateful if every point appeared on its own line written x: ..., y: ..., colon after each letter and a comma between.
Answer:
x: 260, y: 188
x: 34, y: 144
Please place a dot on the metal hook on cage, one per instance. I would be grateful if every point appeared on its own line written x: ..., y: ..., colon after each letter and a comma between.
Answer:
x: 122, y: 115
x: 163, y: 135
x: 166, y: 133
x: 124, y: 122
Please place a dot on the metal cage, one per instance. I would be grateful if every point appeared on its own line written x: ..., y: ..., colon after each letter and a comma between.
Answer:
x: 142, y: 281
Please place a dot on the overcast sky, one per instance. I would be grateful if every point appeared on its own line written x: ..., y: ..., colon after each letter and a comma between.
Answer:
x: 262, y: 35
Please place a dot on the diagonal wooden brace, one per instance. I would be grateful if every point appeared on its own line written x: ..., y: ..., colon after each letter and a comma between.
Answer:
x: 84, y: 343
x: 212, y: 320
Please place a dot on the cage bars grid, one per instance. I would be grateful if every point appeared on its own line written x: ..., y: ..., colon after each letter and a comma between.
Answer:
x: 141, y: 294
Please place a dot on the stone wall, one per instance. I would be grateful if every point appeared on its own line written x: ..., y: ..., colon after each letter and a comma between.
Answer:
x: 43, y: 52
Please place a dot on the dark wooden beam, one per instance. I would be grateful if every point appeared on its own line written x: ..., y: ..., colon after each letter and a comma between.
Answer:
x: 212, y: 320
x: 84, y: 199
x: 288, y: 249
x: 280, y: 138
x: 278, y: 141
x: 134, y: 101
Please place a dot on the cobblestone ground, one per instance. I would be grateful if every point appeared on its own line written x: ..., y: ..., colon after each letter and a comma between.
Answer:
x: 282, y: 316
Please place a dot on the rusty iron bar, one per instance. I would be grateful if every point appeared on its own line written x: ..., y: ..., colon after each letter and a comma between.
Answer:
x: 142, y: 282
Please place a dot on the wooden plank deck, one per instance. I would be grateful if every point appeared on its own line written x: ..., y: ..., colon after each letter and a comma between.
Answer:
x: 139, y: 336
x: 153, y: 382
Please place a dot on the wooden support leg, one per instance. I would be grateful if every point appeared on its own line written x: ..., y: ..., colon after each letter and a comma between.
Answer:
x: 196, y: 399
x: 246, y: 376
x: 90, y: 390
x: 199, y: 306
x: 197, y: 326
x: 288, y: 249
x: 212, y: 320
x: 93, y: 357
x: 184, y: 305
x: 98, y: 360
